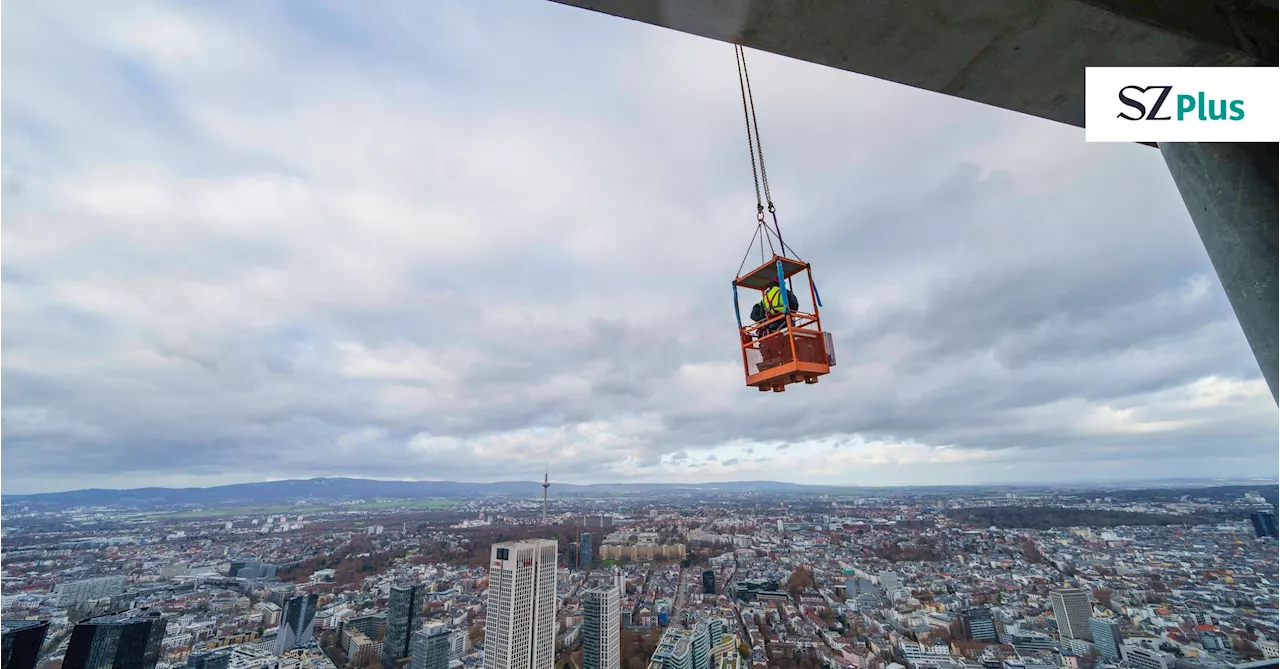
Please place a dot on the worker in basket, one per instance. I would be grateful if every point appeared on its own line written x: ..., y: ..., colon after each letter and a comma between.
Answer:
x: 770, y: 306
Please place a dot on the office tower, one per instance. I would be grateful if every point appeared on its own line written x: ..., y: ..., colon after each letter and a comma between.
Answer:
x: 1106, y: 637
x: 1264, y: 524
x: 519, y: 631
x: 681, y: 649
x: 701, y: 645
x: 1148, y: 658
x: 297, y: 622
x: 979, y: 625
x: 87, y: 590
x: 404, y: 616
x: 585, y: 551
x: 889, y: 581
x: 601, y: 627
x: 373, y: 626
x: 708, y: 582
x: 432, y: 647
x: 1072, y: 610
x: 129, y: 640
x: 21, y: 641
x: 458, y: 643
x: 251, y: 568
x: 619, y: 582
x: 217, y: 659
x: 601, y: 522
x: 673, y: 651
x: 280, y: 595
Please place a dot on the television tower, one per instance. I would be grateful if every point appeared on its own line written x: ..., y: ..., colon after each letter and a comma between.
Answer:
x: 546, y: 483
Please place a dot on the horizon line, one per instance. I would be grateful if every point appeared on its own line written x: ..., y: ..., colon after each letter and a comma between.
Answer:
x: 1020, y: 484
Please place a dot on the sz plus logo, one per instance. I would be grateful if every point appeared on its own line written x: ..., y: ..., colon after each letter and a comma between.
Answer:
x: 1148, y: 103
x: 1181, y: 104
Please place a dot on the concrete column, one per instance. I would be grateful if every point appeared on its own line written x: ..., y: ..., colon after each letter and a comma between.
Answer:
x: 1231, y: 192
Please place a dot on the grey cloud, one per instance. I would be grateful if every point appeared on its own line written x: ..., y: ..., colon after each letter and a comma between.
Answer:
x: 365, y: 229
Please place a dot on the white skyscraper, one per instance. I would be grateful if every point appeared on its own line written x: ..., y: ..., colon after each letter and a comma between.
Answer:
x: 1071, y: 609
x: 520, y: 625
x: 601, y: 627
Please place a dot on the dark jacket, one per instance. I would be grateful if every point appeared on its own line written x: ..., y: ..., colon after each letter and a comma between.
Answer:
x: 759, y: 313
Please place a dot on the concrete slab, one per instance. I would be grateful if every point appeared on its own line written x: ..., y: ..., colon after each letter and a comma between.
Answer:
x: 1024, y: 55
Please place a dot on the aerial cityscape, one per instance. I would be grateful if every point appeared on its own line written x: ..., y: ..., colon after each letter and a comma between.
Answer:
x: 401, y: 335
x: 669, y: 577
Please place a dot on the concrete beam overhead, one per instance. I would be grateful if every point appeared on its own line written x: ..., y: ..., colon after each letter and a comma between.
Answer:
x: 1024, y: 55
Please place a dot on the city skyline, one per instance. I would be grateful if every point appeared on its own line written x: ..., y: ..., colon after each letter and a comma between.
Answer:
x: 318, y: 239
x: 978, y: 579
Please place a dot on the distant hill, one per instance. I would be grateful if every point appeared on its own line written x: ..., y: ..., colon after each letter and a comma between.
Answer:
x: 330, y: 490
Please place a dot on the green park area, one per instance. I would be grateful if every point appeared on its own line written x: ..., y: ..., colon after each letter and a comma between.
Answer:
x: 417, y: 504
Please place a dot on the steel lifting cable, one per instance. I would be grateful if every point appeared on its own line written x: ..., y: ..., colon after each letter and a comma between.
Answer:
x: 755, y: 148
x: 755, y: 145
x: 751, y: 148
x: 762, y: 232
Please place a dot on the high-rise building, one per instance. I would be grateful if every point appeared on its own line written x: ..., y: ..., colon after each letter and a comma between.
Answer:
x: 715, y: 629
x: 708, y: 581
x: 250, y: 568
x: 1106, y: 637
x: 601, y: 629
x: 279, y: 595
x: 1145, y: 657
x: 979, y: 625
x: 458, y: 641
x: 520, y: 626
x: 432, y: 647
x: 889, y: 580
x: 404, y: 615
x: 128, y: 640
x: 21, y: 641
x: 216, y: 659
x: 373, y: 626
x: 701, y: 645
x: 87, y: 590
x: 602, y: 522
x: 1264, y: 524
x: 853, y: 587
x: 297, y: 623
x: 585, y: 550
x: 684, y: 649
x: 1072, y: 611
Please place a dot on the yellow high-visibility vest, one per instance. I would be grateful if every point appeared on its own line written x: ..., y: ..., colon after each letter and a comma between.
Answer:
x: 773, y: 301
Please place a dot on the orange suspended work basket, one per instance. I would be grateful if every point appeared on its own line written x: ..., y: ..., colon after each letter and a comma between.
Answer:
x: 790, y: 347
x: 782, y: 348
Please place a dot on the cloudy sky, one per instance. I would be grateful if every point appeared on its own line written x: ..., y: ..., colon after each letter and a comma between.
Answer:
x: 464, y: 240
